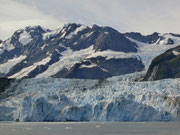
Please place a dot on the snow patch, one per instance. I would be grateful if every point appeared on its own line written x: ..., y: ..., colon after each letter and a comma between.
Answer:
x: 25, y: 71
x: 6, y: 46
x: 51, y: 34
x: 170, y: 36
x: 67, y: 60
x: 106, y: 33
x: 75, y: 43
x: 109, y: 54
x: 88, y: 66
x: 176, y: 53
x: 79, y: 29
x: 70, y: 35
x: 164, y: 41
x: 44, y: 46
x: 25, y: 38
x: 89, y: 34
x: 5, y: 67
x: 75, y: 32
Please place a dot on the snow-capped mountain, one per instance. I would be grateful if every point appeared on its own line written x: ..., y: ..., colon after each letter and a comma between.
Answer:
x: 86, y: 52
x: 79, y: 51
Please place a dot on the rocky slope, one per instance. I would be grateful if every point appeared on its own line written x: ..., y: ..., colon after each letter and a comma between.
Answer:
x: 150, y: 39
x: 115, y: 99
x: 153, y: 38
x: 79, y: 51
x: 167, y: 65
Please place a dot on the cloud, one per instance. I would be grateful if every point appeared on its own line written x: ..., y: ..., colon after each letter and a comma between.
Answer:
x: 146, y: 16
x: 15, y: 15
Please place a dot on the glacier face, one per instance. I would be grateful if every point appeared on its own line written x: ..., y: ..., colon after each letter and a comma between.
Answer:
x: 115, y: 99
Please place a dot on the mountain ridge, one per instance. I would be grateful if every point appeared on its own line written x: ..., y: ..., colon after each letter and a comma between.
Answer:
x: 36, y: 51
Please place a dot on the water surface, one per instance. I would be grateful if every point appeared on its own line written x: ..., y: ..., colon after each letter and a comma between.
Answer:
x: 61, y: 128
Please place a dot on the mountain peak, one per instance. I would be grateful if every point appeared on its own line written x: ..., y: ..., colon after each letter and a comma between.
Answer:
x: 38, y: 52
x: 31, y: 29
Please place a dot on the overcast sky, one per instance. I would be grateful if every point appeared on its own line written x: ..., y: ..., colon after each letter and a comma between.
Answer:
x: 145, y: 16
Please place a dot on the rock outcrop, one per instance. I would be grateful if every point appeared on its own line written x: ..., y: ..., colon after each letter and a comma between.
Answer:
x: 166, y: 65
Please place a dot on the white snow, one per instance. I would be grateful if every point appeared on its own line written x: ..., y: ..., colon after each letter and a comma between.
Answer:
x: 36, y: 26
x: 164, y: 41
x: 69, y: 36
x: 176, y: 53
x: 109, y: 54
x: 51, y: 34
x: 174, y: 38
x: 67, y: 60
x: 88, y: 66
x: 79, y: 29
x: 106, y: 33
x: 115, y: 99
x: 89, y: 34
x: 25, y: 71
x: 75, y: 32
x: 63, y: 33
x: 6, y: 46
x: 25, y: 38
x: 44, y: 46
x: 5, y: 67
x: 147, y: 52
x: 75, y: 43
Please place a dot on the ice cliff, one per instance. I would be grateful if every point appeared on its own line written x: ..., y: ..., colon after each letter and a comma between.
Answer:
x: 120, y: 98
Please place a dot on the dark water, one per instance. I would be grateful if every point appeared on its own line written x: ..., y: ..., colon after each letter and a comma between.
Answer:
x: 122, y: 128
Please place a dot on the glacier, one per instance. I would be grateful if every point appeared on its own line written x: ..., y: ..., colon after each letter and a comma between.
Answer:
x: 121, y: 98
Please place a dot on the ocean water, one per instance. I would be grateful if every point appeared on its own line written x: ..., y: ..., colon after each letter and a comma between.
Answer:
x: 90, y: 128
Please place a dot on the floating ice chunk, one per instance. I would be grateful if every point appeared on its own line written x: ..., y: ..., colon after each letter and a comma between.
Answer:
x: 28, y: 128
x: 68, y: 128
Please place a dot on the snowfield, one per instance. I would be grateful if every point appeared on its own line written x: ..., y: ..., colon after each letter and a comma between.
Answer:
x: 115, y: 99
x: 147, y: 52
